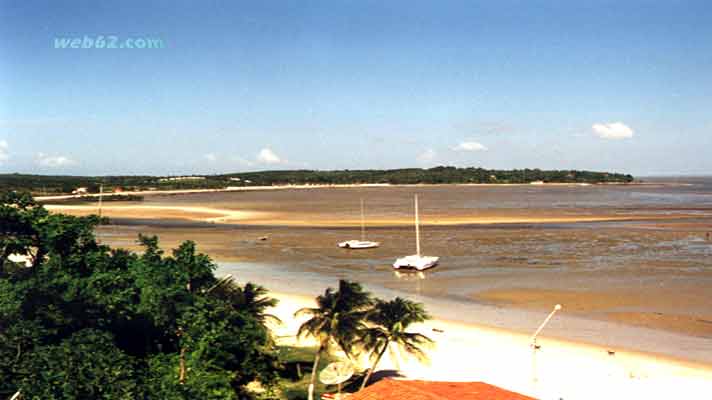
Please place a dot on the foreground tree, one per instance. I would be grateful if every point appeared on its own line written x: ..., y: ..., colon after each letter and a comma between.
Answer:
x: 388, y: 321
x: 87, y: 321
x: 338, y: 319
x: 86, y: 365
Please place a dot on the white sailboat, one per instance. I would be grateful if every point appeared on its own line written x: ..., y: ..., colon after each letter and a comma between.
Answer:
x: 363, y: 243
x: 416, y: 261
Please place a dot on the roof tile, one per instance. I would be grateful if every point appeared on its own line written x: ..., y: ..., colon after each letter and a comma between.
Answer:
x: 392, y: 389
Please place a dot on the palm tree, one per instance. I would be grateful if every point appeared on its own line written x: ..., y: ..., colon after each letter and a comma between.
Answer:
x: 251, y: 298
x: 388, y: 321
x: 338, y: 318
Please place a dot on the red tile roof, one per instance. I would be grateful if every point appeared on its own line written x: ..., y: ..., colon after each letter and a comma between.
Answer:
x: 392, y: 389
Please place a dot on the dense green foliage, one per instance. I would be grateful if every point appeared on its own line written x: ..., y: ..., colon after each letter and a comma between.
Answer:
x: 85, y: 321
x: 40, y: 184
x: 437, y: 175
x: 58, y: 184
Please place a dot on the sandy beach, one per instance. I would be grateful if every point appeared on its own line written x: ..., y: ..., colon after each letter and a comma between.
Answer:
x: 253, y: 217
x: 190, y: 213
x: 559, y: 369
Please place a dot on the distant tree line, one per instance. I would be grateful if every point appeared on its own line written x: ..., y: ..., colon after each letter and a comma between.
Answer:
x: 47, y: 185
x: 95, y: 199
x: 437, y: 175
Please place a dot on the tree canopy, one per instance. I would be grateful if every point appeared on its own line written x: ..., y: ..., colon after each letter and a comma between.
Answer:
x: 86, y: 321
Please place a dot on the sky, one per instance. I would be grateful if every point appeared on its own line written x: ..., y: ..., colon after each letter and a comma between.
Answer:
x: 620, y: 86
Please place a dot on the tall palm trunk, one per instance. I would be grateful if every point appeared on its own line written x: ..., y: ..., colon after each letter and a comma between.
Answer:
x: 182, y: 369
x: 322, y: 346
x: 373, y: 367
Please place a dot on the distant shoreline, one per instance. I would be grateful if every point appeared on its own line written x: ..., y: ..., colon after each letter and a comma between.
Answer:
x: 258, y: 180
x: 340, y: 186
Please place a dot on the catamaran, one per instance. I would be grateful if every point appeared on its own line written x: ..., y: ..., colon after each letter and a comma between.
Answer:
x: 363, y: 243
x: 416, y: 261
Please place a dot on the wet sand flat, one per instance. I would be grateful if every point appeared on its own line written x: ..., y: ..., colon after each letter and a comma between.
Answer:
x: 632, y: 255
x: 654, y: 305
x: 392, y: 206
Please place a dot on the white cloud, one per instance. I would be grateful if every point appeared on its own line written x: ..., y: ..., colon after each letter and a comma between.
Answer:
x: 613, y: 130
x: 211, y: 157
x: 427, y: 156
x: 3, y: 151
x: 267, y: 156
x: 46, y: 160
x: 470, y: 146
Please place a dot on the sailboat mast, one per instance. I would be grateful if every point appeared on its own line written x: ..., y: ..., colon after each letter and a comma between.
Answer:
x: 363, y: 224
x: 101, y: 195
x: 417, y: 227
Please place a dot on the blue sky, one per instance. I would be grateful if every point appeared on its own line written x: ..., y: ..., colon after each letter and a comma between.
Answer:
x: 604, y: 85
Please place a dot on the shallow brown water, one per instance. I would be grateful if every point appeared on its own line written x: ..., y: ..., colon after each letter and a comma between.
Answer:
x: 649, y: 271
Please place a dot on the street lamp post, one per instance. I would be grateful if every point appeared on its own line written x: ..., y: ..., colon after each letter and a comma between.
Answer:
x: 535, y: 346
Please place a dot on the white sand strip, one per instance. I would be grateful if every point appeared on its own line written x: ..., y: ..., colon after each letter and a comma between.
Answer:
x: 207, y: 214
x: 561, y: 370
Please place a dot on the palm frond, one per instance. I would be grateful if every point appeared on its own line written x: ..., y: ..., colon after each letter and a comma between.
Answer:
x: 387, y: 324
x: 306, y: 311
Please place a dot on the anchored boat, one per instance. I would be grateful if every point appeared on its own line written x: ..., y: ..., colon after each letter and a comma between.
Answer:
x: 416, y: 261
x: 363, y: 243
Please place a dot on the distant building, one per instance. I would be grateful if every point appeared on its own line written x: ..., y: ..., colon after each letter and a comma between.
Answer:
x: 393, y: 389
x: 80, y: 190
x: 182, y: 178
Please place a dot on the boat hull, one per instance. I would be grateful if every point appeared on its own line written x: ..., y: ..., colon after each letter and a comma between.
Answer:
x: 358, y: 244
x: 416, y: 262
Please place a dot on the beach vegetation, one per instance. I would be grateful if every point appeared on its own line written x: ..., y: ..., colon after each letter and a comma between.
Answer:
x: 388, y: 322
x: 336, y: 321
x: 296, y: 373
x: 86, y: 321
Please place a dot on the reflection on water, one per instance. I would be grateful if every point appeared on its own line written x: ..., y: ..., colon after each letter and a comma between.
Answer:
x: 408, y: 275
